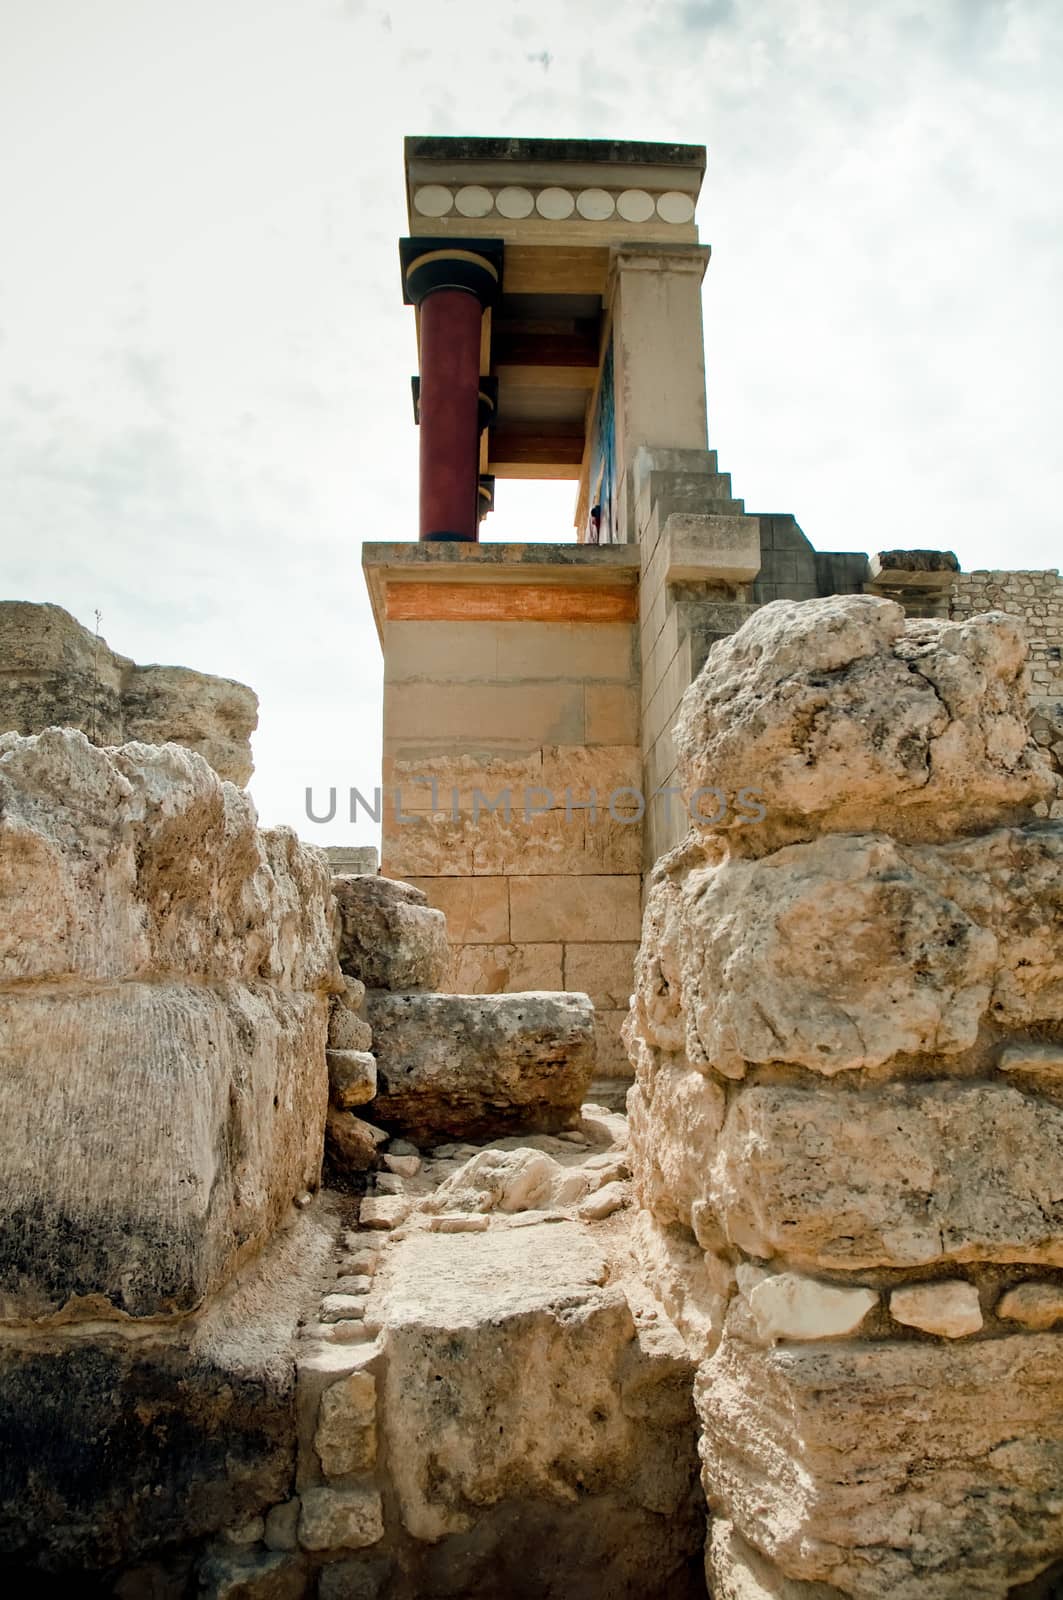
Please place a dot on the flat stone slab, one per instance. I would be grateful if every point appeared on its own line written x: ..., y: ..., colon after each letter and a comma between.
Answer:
x: 455, y: 1066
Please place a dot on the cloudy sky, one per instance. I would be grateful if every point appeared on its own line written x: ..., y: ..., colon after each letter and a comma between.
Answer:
x: 204, y: 357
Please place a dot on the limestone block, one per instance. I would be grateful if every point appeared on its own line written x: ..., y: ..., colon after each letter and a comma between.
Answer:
x: 345, y: 1439
x: 1035, y: 1305
x: 58, y: 674
x: 850, y: 1180
x: 341, y: 1519
x: 960, y: 1452
x: 351, y: 1076
x: 787, y: 1305
x: 476, y: 909
x: 466, y: 1066
x: 549, y: 909
x: 673, y: 1141
x: 846, y: 716
x: 154, y: 1136
x: 611, y: 712
x: 950, y: 1309
x: 508, y: 1354
x: 613, y: 1060
x: 390, y: 937
x: 504, y: 968
x: 604, y: 971
x: 703, y: 548
x: 139, y: 862
x: 832, y: 955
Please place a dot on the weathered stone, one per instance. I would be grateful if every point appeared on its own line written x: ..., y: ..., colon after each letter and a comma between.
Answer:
x: 351, y: 1076
x: 340, y: 1307
x: 950, y: 1309
x: 470, y: 1066
x: 510, y: 1181
x: 854, y: 1180
x: 692, y: 1284
x: 508, y: 1356
x: 736, y: 1571
x: 345, y: 1440
x: 403, y: 1166
x: 384, y: 1211
x: 58, y: 674
x: 611, y: 1197
x: 786, y: 1305
x: 1035, y: 1305
x: 960, y: 1449
x: 252, y: 1577
x: 154, y: 1136
x: 844, y: 716
x: 833, y: 955
x: 347, y: 1030
x: 461, y: 1222
x: 390, y: 937
x: 320, y: 1368
x: 140, y: 863
x: 1043, y: 1061
x: 340, y: 1519
x: 673, y: 1139
x: 202, y: 1414
x: 350, y: 1142
x: 281, y: 1523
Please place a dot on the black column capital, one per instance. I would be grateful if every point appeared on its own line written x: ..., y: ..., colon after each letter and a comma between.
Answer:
x: 431, y: 262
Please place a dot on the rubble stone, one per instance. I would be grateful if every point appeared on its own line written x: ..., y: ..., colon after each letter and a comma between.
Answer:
x: 390, y: 937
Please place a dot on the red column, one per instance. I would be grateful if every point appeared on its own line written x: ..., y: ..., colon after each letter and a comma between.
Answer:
x: 449, y: 411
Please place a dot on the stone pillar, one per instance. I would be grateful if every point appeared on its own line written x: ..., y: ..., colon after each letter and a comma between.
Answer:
x: 450, y: 286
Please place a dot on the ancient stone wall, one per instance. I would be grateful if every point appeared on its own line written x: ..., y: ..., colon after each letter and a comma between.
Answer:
x: 1035, y: 597
x: 847, y: 1129
x: 55, y: 673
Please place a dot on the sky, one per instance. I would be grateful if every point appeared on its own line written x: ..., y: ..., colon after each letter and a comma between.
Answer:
x: 205, y: 358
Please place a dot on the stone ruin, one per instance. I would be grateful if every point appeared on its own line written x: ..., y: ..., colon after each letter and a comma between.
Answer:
x: 318, y: 1282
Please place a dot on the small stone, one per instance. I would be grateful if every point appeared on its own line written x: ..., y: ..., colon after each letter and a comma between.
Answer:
x: 603, y: 1202
x: 281, y: 1522
x: 403, y: 1147
x: 301, y: 1201
x: 459, y: 1222
x: 389, y: 1183
x: 1044, y: 1059
x: 351, y: 1076
x: 246, y: 1533
x: 360, y: 1265
x: 340, y: 1519
x: 786, y: 1305
x: 384, y: 1211
x: 355, y: 1284
x: 403, y: 1166
x: 352, y: 1331
x: 571, y: 1137
x: 348, y: 1031
x: 453, y: 1152
x: 355, y: 992
x: 950, y: 1309
x: 315, y: 1330
x: 336, y: 1307
x: 1035, y: 1305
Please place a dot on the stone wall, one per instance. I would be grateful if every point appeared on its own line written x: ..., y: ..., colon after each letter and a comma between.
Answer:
x: 55, y: 673
x: 846, y: 1133
x: 1035, y: 597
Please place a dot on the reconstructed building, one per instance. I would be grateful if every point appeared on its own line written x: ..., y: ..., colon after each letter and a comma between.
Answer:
x: 557, y: 294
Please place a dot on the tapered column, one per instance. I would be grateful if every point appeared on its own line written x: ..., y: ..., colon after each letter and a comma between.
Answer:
x: 451, y: 284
